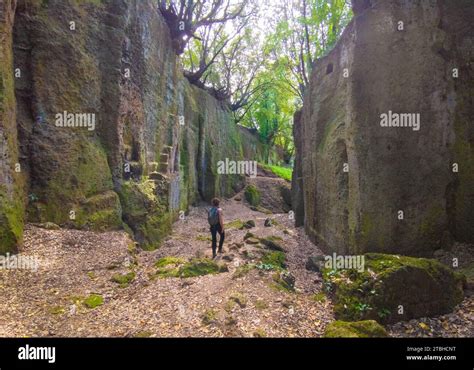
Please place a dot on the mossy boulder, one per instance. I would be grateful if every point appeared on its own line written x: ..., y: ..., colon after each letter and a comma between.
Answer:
x: 284, y: 281
x: 145, y: 213
x: 252, y: 240
x: 239, y: 224
x: 358, y: 329
x: 273, y: 243
x: 199, y: 267
x: 249, y: 224
x: 393, y: 288
x: 100, y: 212
x: 252, y: 195
x: 249, y: 235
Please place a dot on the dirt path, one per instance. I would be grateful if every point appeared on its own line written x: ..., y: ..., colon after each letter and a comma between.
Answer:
x: 76, y: 264
x: 242, y: 302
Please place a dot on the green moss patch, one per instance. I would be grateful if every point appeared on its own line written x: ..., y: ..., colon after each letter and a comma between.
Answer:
x: 234, y: 224
x: 200, y: 267
x: 358, y: 329
x: 261, y: 304
x: 203, y: 238
x: 167, y: 261
x: 240, y: 225
x: 243, y: 270
x: 177, y: 267
x: 123, y: 280
x: 252, y: 195
x: 143, y: 334
x: 282, y: 172
x: 319, y: 297
x: 145, y: 213
x: 209, y: 317
x: 273, y: 261
x: 11, y: 223
x: 259, y: 333
x: 93, y: 301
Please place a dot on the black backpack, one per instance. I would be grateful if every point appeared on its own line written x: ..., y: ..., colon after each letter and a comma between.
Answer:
x: 213, y: 216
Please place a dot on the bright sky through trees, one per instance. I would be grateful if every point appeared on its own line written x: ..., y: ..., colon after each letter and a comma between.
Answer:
x: 257, y: 55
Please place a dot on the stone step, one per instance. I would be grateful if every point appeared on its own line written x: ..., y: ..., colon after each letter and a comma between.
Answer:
x: 135, y: 170
x: 167, y: 150
x: 152, y: 166
x: 156, y: 176
x: 163, y: 168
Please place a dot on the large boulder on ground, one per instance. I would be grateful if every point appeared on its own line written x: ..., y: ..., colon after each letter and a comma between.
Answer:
x: 274, y: 243
x: 392, y: 288
x: 314, y: 263
x: 145, y: 213
x: 358, y: 329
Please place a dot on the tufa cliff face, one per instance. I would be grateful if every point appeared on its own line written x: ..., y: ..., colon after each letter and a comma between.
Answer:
x: 367, y: 184
x: 11, y: 181
x: 151, y: 140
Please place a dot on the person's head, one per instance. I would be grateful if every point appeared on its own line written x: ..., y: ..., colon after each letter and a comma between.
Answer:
x: 215, y: 202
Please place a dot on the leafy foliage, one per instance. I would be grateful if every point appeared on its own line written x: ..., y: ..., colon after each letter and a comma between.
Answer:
x: 257, y: 55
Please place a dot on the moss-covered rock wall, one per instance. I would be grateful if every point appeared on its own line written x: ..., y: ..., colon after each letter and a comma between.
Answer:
x: 11, y: 180
x: 403, y: 190
x: 152, y: 142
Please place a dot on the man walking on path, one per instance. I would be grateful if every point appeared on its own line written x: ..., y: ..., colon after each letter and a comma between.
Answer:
x: 216, y: 221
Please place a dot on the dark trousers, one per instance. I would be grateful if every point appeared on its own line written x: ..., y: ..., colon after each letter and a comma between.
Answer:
x: 214, y: 230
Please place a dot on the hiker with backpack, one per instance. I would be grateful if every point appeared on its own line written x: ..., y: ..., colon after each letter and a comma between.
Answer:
x: 216, y: 221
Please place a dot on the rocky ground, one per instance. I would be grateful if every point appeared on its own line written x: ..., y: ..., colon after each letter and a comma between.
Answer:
x: 73, y: 265
x: 98, y: 284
